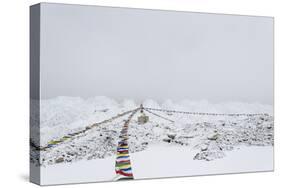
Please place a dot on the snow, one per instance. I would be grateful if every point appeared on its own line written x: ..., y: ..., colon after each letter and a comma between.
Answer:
x: 192, y: 145
x: 82, y: 171
x: 60, y: 115
x: 170, y: 161
x: 161, y: 161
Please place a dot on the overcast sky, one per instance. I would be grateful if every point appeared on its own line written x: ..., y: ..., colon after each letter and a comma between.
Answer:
x: 90, y: 51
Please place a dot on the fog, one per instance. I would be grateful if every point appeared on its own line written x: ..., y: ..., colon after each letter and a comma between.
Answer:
x: 89, y: 51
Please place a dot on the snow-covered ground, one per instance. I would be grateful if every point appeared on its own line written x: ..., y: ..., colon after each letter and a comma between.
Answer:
x: 162, y: 161
x: 191, y: 145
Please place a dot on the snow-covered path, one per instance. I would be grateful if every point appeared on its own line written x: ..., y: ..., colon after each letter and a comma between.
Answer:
x: 175, y: 161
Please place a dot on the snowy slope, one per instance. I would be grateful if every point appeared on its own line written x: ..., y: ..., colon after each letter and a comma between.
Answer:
x: 60, y: 115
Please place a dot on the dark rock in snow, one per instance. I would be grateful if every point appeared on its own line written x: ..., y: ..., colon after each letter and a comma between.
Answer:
x: 209, y: 155
x: 59, y: 160
x: 172, y: 136
x: 167, y: 140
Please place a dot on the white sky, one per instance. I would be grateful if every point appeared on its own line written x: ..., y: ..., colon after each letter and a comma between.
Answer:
x: 89, y: 51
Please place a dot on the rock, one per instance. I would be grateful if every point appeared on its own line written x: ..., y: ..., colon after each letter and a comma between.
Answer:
x: 209, y: 155
x: 213, y: 136
x: 269, y: 126
x: 167, y: 140
x: 59, y: 160
x: 70, y: 153
x: 188, y: 136
x: 172, y: 135
x: 197, y: 157
x: 204, y: 147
